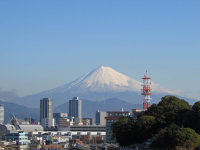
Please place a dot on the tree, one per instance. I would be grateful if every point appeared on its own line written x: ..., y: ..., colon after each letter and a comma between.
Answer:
x: 190, y: 118
x: 122, y: 131
x: 167, y: 109
x: 168, y: 123
x: 173, y: 136
x: 165, y: 138
x: 145, y: 128
x: 196, y: 107
x: 146, y: 121
x: 175, y: 102
x: 187, y: 135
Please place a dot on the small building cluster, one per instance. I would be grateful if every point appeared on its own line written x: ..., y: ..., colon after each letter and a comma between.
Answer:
x: 64, y: 130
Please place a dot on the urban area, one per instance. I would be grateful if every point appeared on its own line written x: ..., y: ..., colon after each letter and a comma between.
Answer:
x: 110, y: 130
x: 67, y: 130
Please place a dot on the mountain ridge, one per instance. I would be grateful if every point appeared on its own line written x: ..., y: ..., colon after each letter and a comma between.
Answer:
x: 104, y: 79
x: 19, y: 111
x: 99, y: 84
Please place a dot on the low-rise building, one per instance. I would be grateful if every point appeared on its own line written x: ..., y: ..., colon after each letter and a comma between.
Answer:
x: 136, y: 113
x: 93, y: 128
x: 20, y: 138
x: 100, y: 118
x: 58, y: 116
x: 64, y: 122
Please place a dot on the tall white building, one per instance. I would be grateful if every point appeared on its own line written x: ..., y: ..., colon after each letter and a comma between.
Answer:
x: 100, y: 118
x: 1, y: 114
x: 46, y: 112
x: 75, y: 109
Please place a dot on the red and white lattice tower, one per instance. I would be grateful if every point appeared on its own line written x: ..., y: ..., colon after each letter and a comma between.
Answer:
x: 146, y: 91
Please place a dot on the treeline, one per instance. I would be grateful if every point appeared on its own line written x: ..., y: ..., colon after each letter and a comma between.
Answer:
x: 170, y: 123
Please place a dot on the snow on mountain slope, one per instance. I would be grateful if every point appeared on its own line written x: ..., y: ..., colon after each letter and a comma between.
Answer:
x: 106, y: 79
x: 99, y: 84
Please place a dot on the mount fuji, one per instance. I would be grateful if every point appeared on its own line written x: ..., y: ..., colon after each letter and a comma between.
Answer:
x: 99, y: 84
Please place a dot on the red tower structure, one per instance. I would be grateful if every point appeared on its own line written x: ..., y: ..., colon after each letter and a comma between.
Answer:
x: 146, y: 91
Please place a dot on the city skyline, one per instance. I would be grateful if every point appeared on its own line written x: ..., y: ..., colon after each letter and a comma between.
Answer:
x: 46, y: 44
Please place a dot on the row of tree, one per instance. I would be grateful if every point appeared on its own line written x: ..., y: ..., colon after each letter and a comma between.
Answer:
x: 170, y: 123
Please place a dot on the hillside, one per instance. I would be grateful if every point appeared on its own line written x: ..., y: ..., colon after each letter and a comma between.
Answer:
x: 19, y: 111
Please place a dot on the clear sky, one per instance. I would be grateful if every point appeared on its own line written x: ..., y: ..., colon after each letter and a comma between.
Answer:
x: 46, y: 43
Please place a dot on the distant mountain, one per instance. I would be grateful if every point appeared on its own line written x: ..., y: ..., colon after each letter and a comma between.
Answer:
x: 99, y: 84
x: 8, y: 95
x: 90, y: 107
x: 105, y: 79
x: 19, y: 111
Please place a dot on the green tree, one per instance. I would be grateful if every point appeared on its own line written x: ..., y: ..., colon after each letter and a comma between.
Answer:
x: 165, y: 138
x: 167, y: 123
x: 190, y: 118
x: 167, y: 109
x: 146, y: 121
x: 173, y: 136
x: 145, y: 128
x: 122, y: 131
x: 196, y: 107
x: 187, y: 135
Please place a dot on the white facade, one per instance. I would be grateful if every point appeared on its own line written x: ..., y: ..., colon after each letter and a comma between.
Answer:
x: 100, y: 118
x: 1, y: 114
x: 23, y: 139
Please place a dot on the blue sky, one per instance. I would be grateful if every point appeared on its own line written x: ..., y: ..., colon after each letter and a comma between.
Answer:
x: 45, y: 44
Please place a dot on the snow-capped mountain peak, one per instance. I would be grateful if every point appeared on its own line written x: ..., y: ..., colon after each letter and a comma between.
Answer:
x: 106, y: 76
x: 105, y: 79
x: 100, y: 84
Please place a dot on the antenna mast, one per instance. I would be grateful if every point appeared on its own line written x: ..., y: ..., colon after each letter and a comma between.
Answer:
x: 146, y: 91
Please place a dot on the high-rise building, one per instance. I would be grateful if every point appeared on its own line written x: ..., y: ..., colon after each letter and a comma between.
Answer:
x: 1, y: 114
x: 75, y: 109
x: 46, y: 113
x: 100, y: 118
